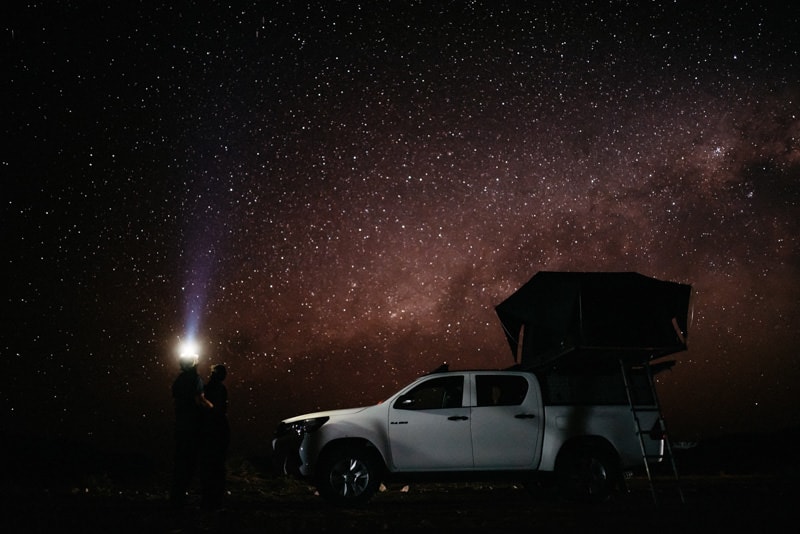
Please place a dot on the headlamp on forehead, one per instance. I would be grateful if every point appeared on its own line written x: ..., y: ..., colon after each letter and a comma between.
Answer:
x: 188, y: 354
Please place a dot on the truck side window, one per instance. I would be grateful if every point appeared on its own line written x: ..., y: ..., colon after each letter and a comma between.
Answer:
x: 497, y: 390
x: 443, y: 392
x: 594, y: 389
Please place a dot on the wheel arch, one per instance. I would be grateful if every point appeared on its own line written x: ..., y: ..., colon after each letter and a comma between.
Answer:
x: 598, y: 443
x: 340, y: 444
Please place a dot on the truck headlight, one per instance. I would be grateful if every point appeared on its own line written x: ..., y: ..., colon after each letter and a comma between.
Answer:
x: 300, y: 428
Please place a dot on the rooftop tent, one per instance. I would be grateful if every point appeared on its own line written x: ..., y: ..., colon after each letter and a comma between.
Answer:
x: 591, y: 319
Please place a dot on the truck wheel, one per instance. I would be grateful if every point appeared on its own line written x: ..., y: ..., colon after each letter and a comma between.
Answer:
x: 586, y: 473
x: 349, y: 476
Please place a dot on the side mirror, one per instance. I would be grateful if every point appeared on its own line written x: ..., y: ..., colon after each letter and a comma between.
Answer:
x: 405, y: 402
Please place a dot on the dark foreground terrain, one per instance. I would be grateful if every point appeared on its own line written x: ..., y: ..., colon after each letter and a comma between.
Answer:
x: 713, y: 504
x: 127, y: 495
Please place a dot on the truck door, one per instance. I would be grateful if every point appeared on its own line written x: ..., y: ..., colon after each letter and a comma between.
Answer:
x: 506, y: 421
x: 429, y: 427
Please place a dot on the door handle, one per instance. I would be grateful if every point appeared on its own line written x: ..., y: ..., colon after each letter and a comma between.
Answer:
x: 457, y: 418
x: 525, y: 416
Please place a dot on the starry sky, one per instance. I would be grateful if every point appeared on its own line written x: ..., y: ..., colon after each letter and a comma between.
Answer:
x: 332, y: 197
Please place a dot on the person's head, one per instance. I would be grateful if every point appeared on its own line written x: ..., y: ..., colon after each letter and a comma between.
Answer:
x: 218, y: 372
x: 188, y: 361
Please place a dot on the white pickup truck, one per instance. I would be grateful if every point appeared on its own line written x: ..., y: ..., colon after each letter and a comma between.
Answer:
x: 563, y: 412
x: 574, y: 429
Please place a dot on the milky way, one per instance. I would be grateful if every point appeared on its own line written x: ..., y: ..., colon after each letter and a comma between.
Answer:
x: 338, y: 196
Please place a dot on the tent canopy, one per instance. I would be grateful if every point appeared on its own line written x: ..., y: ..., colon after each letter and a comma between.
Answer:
x: 590, y: 319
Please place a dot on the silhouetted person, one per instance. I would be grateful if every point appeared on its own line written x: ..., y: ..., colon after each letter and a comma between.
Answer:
x: 187, y: 393
x: 216, y: 437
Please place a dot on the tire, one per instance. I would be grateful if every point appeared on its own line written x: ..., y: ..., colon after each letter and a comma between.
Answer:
x: 349, y: 476
x: 587, y: 473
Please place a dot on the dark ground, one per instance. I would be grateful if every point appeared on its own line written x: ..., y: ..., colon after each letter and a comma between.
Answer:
x: 740, y: 484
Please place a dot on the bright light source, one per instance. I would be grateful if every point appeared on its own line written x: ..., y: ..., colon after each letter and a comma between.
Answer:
x: 188, y: 350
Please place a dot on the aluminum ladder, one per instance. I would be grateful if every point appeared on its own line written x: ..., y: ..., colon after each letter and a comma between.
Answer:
x: 655, y: 406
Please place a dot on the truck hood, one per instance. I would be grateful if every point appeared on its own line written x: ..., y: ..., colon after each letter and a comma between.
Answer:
x: 328, y: 413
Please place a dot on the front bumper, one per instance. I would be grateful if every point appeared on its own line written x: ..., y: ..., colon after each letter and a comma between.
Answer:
x: 286, y: 454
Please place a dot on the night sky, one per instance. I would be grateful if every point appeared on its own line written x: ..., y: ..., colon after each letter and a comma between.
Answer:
x: 333, y: 198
